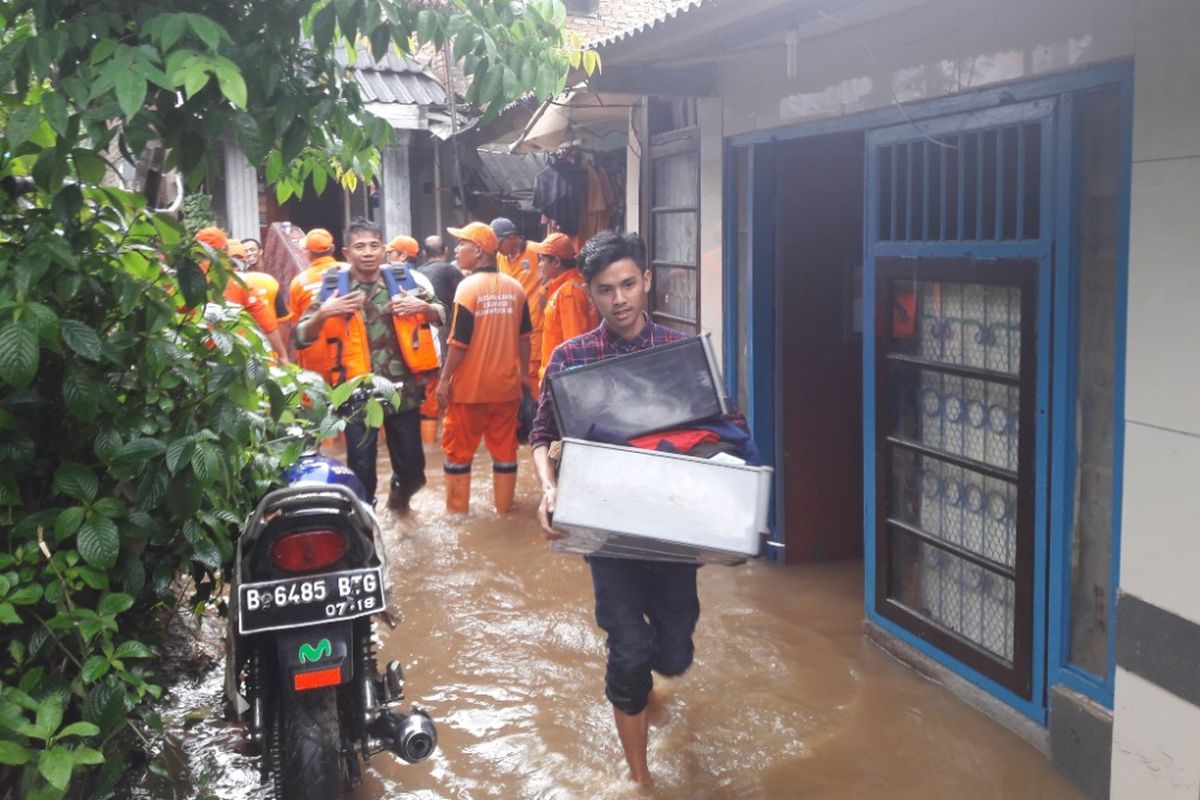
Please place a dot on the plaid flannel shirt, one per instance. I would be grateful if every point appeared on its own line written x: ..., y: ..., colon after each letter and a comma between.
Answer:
x: 598, y: 344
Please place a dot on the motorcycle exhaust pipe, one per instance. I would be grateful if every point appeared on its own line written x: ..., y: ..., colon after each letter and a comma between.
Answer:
x: 412, y: 737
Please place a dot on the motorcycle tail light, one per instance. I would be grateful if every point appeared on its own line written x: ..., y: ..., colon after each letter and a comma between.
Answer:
x: 308, y: 550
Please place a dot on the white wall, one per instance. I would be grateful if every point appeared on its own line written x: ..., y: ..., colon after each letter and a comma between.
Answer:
x: 947, y: 46
x: 1156, y: 735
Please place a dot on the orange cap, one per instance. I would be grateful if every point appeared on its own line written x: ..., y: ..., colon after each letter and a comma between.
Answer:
x: 236, y: 249
x: 318, y: 240
x: 406, y: 245
x: 557, y: 244
x: 478, y: 232
x: 213, y: 237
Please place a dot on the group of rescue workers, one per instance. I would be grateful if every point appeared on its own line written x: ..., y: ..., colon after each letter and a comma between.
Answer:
x: 463, y: 341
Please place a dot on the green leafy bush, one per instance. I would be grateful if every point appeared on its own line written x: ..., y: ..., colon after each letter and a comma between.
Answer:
x: 138, y: 424
x: 140, y: 418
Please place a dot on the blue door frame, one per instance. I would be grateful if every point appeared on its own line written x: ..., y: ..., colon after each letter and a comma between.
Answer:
x: 1055, y: 280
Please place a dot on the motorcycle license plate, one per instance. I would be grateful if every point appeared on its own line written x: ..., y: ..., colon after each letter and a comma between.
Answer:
x: 294, y: 602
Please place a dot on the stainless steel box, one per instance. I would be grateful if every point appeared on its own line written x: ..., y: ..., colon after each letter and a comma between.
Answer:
x: 665, y: 387
x: 627, y: 502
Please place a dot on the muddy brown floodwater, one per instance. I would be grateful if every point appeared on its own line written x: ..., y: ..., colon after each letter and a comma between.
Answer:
x: 786, y: 698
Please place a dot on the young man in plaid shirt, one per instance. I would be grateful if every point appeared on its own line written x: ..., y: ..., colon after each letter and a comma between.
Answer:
x: 648, y: 609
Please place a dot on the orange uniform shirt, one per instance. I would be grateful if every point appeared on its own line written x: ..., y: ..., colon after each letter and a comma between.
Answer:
x: 490, y: 319
x: 524, y: 267
x: 303, y: 290
x: 263, y: 313
x: 569, y: 312
x: 266, y: 287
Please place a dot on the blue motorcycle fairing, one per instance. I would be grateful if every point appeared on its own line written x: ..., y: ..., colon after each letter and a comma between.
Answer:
x: 312, y: 468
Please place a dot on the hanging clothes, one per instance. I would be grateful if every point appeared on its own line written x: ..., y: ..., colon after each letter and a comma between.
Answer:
x: 560, y: 193
x: 596, y: 212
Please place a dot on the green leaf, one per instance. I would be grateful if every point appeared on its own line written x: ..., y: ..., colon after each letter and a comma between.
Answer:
x: 209, y: 32
x: 105, y: 706
x: 232, y: 84
x: 13, y: 754
x: 173, y: 27
x: 206, y: 553
x: 110, y: 507
x: 115, y: 603
x: 131, y: 92
x: 95, y: 668
x: 55, y: 765
x: 132, y: 649
x: 195, y: 77
x: 192, y: 283
x: 206, y: 462
x: 76, y: 480
x: 87, y: 755
x: 107, y: 444
x: 81, y: 338
x: 10, y: 495
x: 141, y: 449
x: 54, y: 106
x: 80, y: 395
x: 22, y: 124
x: 99, y: 542
x: 8, y: 614
x: 28, y: 594
x: 49, y: 716
x: 90, y: 167
x: 79, y: 729
x: 178, y: 453
x: 18, y: 354
x: 374, y: 413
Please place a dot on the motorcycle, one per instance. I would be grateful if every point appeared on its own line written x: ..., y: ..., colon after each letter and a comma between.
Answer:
x: 310, y: 577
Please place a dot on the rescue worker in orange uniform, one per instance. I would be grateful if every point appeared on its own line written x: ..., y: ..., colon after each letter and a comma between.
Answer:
x: 236, y: 291
x: 403, y: 249
x: 375, y: 318
x: 515, y: 258
x: 569, y: 308
x: 487, y: 366
x: 318, y: 244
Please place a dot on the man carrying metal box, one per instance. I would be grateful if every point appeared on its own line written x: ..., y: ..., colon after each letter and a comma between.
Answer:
x: 649, y: 609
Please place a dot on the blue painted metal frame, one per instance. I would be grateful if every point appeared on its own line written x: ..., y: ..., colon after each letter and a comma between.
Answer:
x: 730, y: 341
x: 1042, y: 250
x: 1099, y: 688
x: 760, y: 329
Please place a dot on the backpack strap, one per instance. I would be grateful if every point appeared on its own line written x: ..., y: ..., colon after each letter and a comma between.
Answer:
x: 399, y: 277
x: 334, y: 279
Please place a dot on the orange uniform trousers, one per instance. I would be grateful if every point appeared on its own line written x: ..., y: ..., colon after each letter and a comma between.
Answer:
x: 429, y: 405
x: 466, y: 423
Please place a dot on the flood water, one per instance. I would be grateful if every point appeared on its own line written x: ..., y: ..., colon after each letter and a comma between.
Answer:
x: 786, y: 698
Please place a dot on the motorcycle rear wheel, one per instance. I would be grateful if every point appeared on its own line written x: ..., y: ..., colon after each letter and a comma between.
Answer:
x: 310, y: 760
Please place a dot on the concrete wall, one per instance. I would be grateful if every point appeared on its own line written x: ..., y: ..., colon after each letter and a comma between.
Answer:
x: 1156, y: 732
x: 947, y: 46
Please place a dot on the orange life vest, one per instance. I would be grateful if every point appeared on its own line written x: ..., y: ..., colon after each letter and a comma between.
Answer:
x: 346, y: 348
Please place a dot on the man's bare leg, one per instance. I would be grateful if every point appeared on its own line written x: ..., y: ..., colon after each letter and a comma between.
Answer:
x: 633, y: 730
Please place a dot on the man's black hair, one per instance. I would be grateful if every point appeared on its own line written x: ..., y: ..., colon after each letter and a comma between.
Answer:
x: 606, y: 248
x: 256, y: 241
x: 360, y: 225
x: 569, y: 263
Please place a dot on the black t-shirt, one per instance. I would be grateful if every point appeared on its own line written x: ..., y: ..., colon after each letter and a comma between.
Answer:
x: 445, y: 279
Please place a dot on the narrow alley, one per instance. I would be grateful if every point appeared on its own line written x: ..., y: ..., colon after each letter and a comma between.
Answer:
x: 786, y: 699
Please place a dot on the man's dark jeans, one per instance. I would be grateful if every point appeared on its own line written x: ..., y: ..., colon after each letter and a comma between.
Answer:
x: 649, y: 610
x: 403, y: 432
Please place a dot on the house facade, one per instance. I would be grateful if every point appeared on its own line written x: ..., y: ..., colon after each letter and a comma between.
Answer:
x: 947, y: 251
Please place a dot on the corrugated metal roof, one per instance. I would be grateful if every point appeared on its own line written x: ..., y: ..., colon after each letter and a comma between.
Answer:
x: 650, y: 24
x: 510, y: 175
x: 393, y: 79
